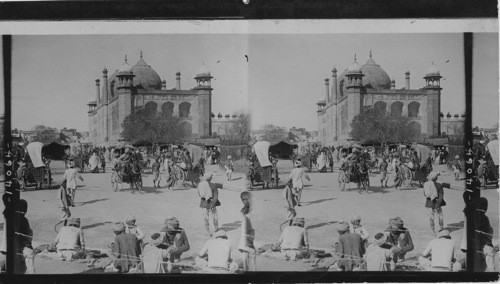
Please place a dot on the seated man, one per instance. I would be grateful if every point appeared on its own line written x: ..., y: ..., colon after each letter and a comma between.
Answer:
x: 125, y: 249
x: 293, y: 242
x: 378, y: 258
x: 70, y: 240
x: 399, y: 239
x: 216, y: 254
x: 174, y: 238
x: 155, y: 258
x: 439, y: 254
x: 349, y: 249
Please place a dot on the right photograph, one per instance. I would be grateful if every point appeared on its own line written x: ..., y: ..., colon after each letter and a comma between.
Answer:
x: 366, y: 135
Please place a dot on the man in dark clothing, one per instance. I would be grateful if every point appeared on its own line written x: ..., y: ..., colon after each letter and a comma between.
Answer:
x: 349, y: 248
x: 25, y: 256
x: 175, y: 239
x: 126, y: 249
x: 399, y: 238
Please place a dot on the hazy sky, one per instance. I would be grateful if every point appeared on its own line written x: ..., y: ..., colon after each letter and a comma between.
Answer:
x: 53, y: 76
x: 485, y: 80
x: 288, y: 71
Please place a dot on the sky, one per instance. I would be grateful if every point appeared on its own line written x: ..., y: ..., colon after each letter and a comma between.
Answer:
x: 54, y: 76
x: 485, y: 80
x: 288, y: 78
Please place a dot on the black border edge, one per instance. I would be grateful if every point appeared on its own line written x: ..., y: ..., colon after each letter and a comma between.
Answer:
x: 256, y: 9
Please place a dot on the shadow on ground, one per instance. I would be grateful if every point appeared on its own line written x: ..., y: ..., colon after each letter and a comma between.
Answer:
x: 319, y: 225
x: 96, y: 225
x: 455, y: 226
x: 317, y: 201
x: 231, y: 226
x: 92, y: 201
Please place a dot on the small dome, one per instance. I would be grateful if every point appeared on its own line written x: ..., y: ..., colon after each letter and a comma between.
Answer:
x: 203, y: 70
x: 334, y: 69
x: 125, y: 67
x: 432, y: 71
x: 354, y: 68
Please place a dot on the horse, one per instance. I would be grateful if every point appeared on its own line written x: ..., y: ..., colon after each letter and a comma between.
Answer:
x: 356, y: 172
x: 129, y: 172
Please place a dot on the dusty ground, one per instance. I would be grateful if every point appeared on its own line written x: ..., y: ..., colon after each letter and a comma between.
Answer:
x: 323, y: 206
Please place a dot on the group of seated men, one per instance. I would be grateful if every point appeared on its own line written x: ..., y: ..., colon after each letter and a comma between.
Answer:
x: 355, y: 251
x: 156, y: 254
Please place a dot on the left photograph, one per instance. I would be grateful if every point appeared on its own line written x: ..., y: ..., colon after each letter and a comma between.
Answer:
x: 120, y: 142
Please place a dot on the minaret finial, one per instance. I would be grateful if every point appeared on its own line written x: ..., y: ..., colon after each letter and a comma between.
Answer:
x: 141, y: 54
x: 125, y: 58
x: 354, y: 57
x: 370, y: 54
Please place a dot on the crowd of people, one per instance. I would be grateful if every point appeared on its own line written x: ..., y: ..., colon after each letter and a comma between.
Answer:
x: 132, y: 251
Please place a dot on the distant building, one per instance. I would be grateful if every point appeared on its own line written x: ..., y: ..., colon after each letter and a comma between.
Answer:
x: 225, y: 126
x: 139, y: 86
x: 453, y: 125
x: 360, y: 87
x: 274, y: 134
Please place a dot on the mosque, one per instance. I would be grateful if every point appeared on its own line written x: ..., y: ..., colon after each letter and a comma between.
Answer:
x: 360, y: 87
x: 131, y: 87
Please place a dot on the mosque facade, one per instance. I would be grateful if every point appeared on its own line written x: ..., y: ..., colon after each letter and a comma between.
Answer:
x: 140, y: 86
x: 362, y: 87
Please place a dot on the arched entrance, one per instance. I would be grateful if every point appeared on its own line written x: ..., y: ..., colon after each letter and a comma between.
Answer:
x: 413, y: 109
x: 167, y: 109
x: 380, y: 105
x: 397, y: 109
x: 184, y: 109
x: 151, y: 107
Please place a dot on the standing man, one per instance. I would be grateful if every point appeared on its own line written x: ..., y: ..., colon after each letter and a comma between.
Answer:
x: 296, y: 177
x: 70, y: 176
x: 457, y: 167
x: 383, y: 172
x: 433, y: 191
x: 209, y: 200
x: 246, y: 246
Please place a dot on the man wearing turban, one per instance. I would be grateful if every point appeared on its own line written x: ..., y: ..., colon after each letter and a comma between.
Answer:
x: 399, y: 239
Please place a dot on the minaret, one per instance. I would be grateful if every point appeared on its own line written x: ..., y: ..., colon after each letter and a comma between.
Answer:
x: 178, y: 80
x: 433, y: 88
x: 105, y: 86
x: 327, y: 91
x: 393, y: 84
x: 163, y: 84
x: 334, y: 85
x: 407, y: 80
x: 98, y: 91
x: 125, y: 76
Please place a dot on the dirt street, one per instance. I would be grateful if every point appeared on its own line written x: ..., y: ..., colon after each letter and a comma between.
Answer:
x: 324, y: 205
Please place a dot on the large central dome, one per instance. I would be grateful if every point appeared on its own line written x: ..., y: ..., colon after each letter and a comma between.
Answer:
x: 374, y: 77
x: 145, y: 78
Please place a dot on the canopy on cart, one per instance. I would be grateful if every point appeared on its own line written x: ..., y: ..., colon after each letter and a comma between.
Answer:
x: 493, y: 148
x: 35, y: 153
x: 261, y: 149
